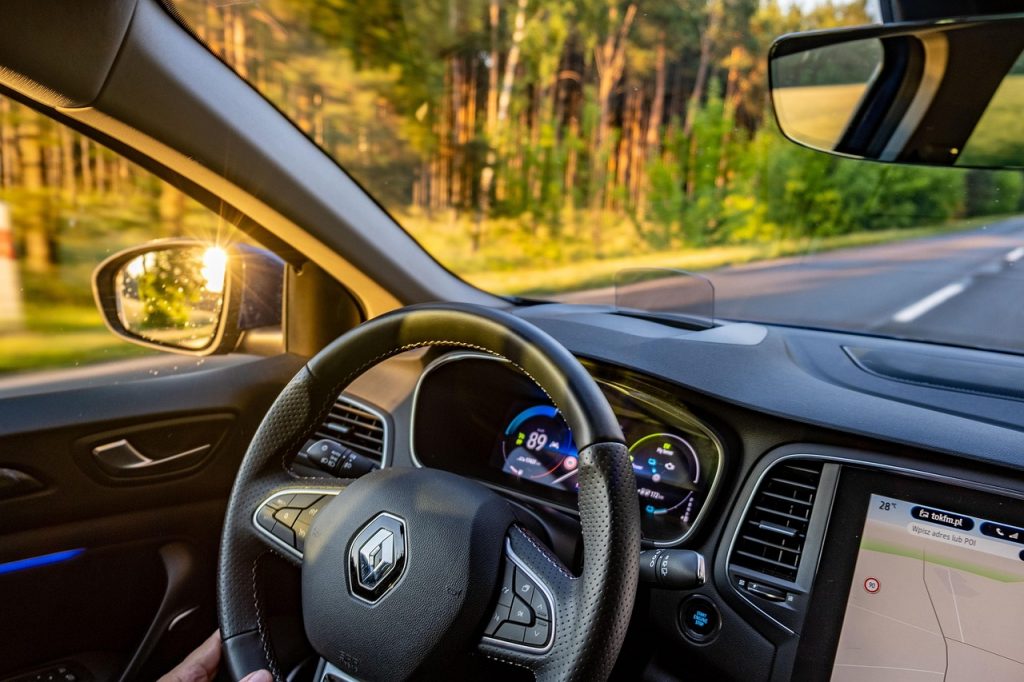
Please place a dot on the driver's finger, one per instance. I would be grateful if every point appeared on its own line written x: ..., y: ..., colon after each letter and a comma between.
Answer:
x: 258, y: 676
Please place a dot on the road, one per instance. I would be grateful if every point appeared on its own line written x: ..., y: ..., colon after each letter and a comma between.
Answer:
x: 965, y: 288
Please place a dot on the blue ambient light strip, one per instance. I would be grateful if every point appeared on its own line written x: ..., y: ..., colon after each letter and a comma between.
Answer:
x: 44, y: 560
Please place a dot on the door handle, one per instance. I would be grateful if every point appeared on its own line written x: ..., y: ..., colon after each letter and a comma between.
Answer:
x: 15, y: 483
x: 121, y: 458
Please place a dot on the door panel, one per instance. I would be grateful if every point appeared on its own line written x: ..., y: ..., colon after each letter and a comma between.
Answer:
x: 140, y: 535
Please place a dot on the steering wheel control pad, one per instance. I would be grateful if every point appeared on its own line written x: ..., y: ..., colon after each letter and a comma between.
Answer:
x: 524, y: 614
x: 285, y: 517
x: 378, y: 618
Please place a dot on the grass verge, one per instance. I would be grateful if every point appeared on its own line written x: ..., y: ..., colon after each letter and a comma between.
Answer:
x: 593, y: 273
x: 62, y: 336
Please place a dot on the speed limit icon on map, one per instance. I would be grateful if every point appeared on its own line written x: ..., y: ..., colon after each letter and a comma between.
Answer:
x: 872, y: 585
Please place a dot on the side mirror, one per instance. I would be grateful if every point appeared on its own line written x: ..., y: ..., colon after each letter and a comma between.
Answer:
x: 942, y: 93
x: 189, y: 296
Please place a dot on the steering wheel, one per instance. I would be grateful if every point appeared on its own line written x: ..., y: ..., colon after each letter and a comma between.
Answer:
x: 404, y: 569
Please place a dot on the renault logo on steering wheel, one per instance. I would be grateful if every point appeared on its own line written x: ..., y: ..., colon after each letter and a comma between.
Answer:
x: 377, y: 557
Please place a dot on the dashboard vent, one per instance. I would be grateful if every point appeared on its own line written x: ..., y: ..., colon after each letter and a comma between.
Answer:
x: 355, y: 427
x: 771, y: 538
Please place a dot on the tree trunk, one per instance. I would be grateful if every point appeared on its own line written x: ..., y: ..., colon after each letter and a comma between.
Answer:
x: 8, y: 144
x: 85, y: 162
x: 39, y: 256
x: 704, y: 64
x: 502, y: 104
x: 610, y: 61
x: 493, y: 19
x: 102, y: 176
x: 729, y: 114
x: 652, y: 137
x: 172, y: 210
x: 239, y: 59
x: 67, y: 155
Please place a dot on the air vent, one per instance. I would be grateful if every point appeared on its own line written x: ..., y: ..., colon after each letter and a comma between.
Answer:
x: 355, y: 427
x: 771, y: 539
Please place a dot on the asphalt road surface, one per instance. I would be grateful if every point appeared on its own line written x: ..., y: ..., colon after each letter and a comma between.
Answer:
x: 965, y: 288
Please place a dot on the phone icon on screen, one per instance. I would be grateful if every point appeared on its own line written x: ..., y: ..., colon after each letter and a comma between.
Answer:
x: 999, y: 532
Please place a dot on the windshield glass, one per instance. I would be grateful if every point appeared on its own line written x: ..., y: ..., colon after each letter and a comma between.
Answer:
x: 537, y: 147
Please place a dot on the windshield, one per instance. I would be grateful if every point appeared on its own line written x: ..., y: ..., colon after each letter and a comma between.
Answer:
x: 538, y: 147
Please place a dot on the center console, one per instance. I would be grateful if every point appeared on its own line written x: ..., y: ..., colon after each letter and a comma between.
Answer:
x: 858, y: 567
x: 917, y: 580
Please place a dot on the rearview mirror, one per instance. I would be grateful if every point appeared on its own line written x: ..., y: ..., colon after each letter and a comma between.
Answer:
x: 188, y: 296
x: 945, y: 93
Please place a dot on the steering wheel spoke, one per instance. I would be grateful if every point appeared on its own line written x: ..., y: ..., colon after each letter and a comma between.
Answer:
x: 284, y: 517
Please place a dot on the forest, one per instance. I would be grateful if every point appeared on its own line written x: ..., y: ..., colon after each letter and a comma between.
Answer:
x: 532, y: 146
x: 517, y: 135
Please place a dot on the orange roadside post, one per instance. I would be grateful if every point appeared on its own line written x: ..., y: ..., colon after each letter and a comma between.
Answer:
x: 12, y: 315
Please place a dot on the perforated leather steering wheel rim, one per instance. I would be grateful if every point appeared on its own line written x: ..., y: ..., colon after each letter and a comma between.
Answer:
x: 592, y: 609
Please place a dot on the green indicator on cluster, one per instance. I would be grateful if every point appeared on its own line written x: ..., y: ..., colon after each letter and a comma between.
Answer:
x: 520, y: 438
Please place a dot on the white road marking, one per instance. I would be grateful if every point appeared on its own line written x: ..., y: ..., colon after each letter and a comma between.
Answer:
x: 952, y: 593
x: 889, y: 667
x: 933, y: 300
x: 1015, y: 255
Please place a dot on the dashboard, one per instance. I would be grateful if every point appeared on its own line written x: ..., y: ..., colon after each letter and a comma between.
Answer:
x: 856, y: 523
x: 478, y: 416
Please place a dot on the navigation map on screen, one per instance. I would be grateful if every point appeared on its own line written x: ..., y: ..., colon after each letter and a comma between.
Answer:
x: 936, y: 595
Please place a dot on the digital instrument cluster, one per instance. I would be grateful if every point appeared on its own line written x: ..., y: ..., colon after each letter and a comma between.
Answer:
x: 536, y: 446
x: 480, y: 417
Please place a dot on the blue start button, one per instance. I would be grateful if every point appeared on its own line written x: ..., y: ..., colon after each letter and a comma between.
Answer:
x: 699, y: 618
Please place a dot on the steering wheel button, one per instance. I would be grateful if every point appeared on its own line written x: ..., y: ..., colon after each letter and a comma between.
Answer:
x: 539, y: 604
x: 304, y: 500
x: 287, y: 516
x: 537, y: 634
x: 524, y: 586
x: 280, y: 501
x: 265, y: 517
x: 510, y: 632
x: 507, y: 592
x: 308, y: 514
x: 284, y: 533
x: 499, y: 616
x: 300, y: 529
x: 520, y: 612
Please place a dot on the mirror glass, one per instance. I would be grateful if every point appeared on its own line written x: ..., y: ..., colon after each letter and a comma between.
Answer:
x: 173, y: 296
x: 946, y: 94
x: 998, y: 139
x: 817, y: 92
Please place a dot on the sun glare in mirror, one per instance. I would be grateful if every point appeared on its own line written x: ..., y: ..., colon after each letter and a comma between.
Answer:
x: 215, y: 263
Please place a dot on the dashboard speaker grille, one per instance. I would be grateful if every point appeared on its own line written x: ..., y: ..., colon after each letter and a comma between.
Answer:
x: 771, y: 538
x: 355, y: 428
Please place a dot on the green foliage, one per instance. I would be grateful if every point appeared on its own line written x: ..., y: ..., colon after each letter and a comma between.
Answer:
x: 500, y: 147
x: 989, y: 193
x: 666, y: 201
x: 168, y: 289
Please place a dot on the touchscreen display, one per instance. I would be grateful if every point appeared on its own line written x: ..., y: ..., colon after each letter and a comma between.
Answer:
x: 936, y: 595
